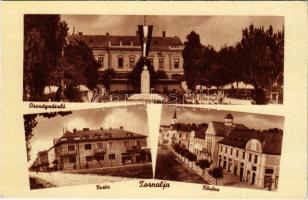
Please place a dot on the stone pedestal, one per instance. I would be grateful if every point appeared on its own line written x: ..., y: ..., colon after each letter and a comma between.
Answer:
x: 145, y: 81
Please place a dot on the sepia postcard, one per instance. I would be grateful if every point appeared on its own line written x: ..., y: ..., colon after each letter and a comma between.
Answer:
x: 153, y: 99
x: 87, y: 146
x: 101, y: 58
x: 214, y: 147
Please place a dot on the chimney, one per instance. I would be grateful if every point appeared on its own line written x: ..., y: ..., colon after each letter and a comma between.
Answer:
x: 107, y: 34
x: 121, y: 128
x: 80, y: 33
x: 73, y: 30
x: 74, y: 130
x: 164, y: 34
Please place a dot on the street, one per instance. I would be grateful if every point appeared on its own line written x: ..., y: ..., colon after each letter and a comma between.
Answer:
x: 168, y: 167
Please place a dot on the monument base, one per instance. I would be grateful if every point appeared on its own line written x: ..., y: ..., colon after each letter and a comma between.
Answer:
x: 146, y: 97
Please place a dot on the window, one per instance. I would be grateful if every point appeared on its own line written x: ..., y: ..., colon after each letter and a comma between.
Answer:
x: 100, y: 145
x: 236, y: 153
x: 120, y: 62
x: 249, y: 157
x: 220, y: 148
x: 161, y: 63
x: 231, y: 151
x: 89, y: 158
x: 87, y: 146
x: 126, y: 144
x: 269, y: 171
x: 256, y: 159
x: 176, y: 63
x: 72, y: 159
x: 99, y: 157
x: 100, y: 61
x: 131, y: 63
x: 111, y: 156
x: 71, y: 147
x: 243, y: 155
x: 226, y: 149
x: 151, y: 61
x: 110, y: 144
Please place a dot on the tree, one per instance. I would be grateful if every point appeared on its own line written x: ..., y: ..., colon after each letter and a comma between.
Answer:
x: 82, y: 66
x: 261, y: 53
x: 192, y: 157
x: 217, y: 173
x: 107, y: 75
x: 135, y: 74
x: 193, y: 58
x: 44, y: 39
x: 161, y: 74
x: 203, y: 164
x: 30, y: 123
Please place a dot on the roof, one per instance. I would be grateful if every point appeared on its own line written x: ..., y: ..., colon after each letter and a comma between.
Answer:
x: 200, y: 133
x: 103, y: 133
x: 101, y: 41
x: 271, y: 141
x: 222, y: 130
x: 198, y: 128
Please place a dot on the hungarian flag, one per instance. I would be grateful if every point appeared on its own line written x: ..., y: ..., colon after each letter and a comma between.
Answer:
x: 145, y: 36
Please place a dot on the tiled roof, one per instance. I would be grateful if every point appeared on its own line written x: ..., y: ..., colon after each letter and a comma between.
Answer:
x: 102, y: 133
x: 188, y: 127
x: 101, y: 41
x: 200, y: 133
x: 271, y: 141
x: 222, y: 130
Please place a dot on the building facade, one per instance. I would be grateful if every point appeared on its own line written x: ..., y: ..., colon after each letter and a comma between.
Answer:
x: 121, y: 54
x: 253, y: 156
x: 82, y: 149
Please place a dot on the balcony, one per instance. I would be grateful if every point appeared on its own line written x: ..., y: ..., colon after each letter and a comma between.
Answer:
x: 132, y: 149
x: 68, y: 153
x: 100, y: 151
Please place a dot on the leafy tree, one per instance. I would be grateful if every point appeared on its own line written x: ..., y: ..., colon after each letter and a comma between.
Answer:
x: 192, y: 157
x: 261, y: 53
x: 193, y: 58
x: 82, y: 66
x: 44, y: 38
x: 203, y: 164
x: 107, y: 75
x: 161, y: 74
x: 135, y: 74
x: 30, y: 123
x: 217, y: 173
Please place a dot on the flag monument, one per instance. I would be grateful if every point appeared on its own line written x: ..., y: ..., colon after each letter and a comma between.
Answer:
x: 145, y: 36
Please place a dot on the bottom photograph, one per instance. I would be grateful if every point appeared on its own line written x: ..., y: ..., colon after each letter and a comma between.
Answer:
x: 87, y: 146
x: 219, y: 147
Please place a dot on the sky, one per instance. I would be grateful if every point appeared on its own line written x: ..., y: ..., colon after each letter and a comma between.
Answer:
x: 48, y: 129
x: 199, y: 115
x: 216, y: 31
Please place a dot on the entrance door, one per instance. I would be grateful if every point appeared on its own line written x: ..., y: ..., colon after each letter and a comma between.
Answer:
x: 253, y: 178
x: 241, y: 173
x: 123, y: 160
x: 235, y: 171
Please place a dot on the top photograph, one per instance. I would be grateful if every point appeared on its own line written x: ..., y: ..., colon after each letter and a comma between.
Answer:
x: 229, y: 60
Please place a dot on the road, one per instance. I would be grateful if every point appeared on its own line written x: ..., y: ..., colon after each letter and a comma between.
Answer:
x: 168, y: 167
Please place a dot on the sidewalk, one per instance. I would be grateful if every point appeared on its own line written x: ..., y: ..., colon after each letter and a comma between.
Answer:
x: 227, y: 180
x: 66, y: 179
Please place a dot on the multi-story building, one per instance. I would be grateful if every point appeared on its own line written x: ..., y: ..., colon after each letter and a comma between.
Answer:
x: 252, y: 155
x: 87, y: 148
x: 99, y: 148
x: 121, y: 53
